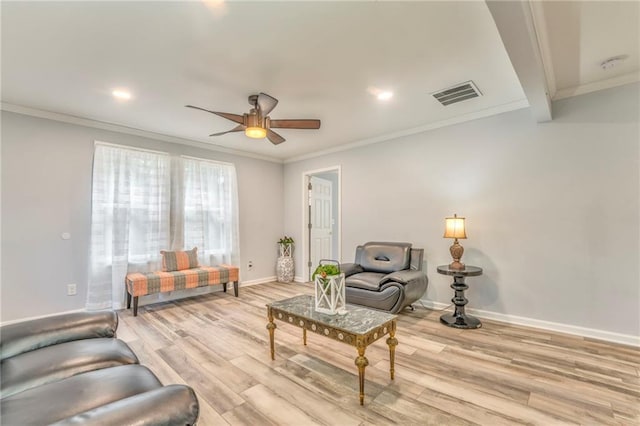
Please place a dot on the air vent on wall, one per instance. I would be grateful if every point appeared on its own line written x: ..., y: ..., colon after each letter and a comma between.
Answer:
x: 457, y: 93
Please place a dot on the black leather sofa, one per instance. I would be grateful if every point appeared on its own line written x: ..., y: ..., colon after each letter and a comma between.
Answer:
x: 385, y: 275
x: 70, y: 369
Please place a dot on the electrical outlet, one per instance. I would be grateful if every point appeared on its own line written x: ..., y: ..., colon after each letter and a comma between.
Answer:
x: 250, y: 265
x: 71, y: 289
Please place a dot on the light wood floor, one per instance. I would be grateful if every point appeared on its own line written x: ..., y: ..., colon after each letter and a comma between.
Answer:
x: 497, y: 375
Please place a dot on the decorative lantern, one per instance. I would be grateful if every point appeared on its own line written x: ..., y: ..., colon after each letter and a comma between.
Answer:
x: 329, y: 289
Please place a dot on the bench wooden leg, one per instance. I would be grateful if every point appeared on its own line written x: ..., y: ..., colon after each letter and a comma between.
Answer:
x: 128, y: 300
x: 235, y: 288
x: 224, y: 287
x: 135, y: 306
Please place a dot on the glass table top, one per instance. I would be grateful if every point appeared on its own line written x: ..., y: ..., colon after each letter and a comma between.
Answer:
x: 357, y: 319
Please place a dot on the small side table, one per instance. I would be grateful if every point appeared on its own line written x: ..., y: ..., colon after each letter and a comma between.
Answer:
x: 458, y: 318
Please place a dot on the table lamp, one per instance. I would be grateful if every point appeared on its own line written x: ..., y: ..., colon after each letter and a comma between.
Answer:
x: 454, y: 228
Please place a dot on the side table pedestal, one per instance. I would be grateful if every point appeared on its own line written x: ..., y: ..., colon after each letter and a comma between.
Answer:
x: 459, y: 319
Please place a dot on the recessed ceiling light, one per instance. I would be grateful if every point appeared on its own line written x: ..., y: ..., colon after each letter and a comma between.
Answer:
x: 121, y: 94
x: 384, y: 96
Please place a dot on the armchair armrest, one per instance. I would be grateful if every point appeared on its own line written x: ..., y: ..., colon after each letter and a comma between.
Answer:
x: 403, y: 277
x: 350, y: 269
x: 168, y: 405
x: 31, y: 335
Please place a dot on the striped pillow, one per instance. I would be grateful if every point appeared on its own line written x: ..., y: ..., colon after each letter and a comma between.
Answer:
x: 179, y: 260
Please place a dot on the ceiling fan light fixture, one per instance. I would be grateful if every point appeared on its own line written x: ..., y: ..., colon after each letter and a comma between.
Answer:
x: 257, y: 124
x: 256, y: 132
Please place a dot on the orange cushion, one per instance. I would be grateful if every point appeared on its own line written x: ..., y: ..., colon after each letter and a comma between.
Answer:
x: 179, y: 260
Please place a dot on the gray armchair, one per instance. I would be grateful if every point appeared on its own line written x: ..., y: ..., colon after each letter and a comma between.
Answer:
x: 385, y: 275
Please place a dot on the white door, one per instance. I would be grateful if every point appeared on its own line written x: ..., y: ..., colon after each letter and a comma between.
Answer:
x: 320, y: 220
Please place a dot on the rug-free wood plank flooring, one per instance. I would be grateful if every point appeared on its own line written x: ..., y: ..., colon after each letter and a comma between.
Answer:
x: 496, y: 375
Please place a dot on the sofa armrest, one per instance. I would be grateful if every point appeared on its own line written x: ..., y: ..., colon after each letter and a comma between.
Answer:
x: 168, y: 405
x: 350, y: 269
x: 31, y: 335
x: 404, y: 277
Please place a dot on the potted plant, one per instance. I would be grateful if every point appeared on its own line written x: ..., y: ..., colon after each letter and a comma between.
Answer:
x: 285, y: 267
x: 329, y: 288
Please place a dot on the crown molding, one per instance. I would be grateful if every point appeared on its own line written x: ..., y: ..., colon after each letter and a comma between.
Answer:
x: 511, y: 106
x: 620, y: 80
x: 66, y: 118
x: 80, y: 121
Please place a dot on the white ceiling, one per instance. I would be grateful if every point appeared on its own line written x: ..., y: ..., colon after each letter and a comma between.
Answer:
x: 577, y: 36
x: 320, y: 59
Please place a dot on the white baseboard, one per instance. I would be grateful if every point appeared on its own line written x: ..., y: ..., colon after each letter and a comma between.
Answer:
x: 299, y: 280
x: 257, y: 281
x: 609, y: 336
x: 40, y: 316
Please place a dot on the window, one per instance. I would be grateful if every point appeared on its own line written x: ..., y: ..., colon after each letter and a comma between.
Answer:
x: 210, y: 216
x: 144, y: 202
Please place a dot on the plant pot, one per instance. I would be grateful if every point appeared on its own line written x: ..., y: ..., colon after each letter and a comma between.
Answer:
x: 330, y: 294
x: 285, y: 269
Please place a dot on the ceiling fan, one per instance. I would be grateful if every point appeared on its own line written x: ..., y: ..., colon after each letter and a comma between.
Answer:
x: 257, y: 124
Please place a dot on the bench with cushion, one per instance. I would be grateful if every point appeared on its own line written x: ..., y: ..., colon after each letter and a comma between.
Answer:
x: 180, y: 271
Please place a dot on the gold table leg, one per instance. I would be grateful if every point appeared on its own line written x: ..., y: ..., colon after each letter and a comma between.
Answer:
x: 304, y: 336
x: 392, y: 342
x: 361, y: 362
x: 271, y: 326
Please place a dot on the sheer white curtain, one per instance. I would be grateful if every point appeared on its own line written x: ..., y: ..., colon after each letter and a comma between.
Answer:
x: 210, y: 213
x: 129, y: 219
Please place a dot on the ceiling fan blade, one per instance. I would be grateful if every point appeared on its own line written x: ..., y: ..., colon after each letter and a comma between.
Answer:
x: 238, y: 128
x: 294, y: 124
x: 233, y: 117
x: 274, y: 137
x: 266, y: 103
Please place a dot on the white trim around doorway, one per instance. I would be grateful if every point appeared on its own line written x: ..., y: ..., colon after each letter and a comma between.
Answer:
x: 305, y: 216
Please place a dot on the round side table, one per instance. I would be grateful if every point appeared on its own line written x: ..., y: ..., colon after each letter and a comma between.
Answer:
x: 458, y: 318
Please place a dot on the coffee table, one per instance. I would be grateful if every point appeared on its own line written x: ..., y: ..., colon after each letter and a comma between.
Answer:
x: 359, y: 327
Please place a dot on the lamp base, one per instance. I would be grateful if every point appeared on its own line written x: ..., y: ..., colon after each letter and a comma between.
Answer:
x: 456, y: 251
x: 456, y: 266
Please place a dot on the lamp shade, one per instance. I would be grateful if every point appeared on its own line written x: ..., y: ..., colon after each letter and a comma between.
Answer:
x: 454, y: 227
x: 256, y: 132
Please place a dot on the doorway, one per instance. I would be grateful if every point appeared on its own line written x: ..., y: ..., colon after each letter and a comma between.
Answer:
x: 321, y: 218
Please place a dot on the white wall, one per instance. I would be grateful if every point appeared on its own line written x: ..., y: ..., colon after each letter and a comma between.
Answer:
x: 552, y: 209
x: 46, y: 190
